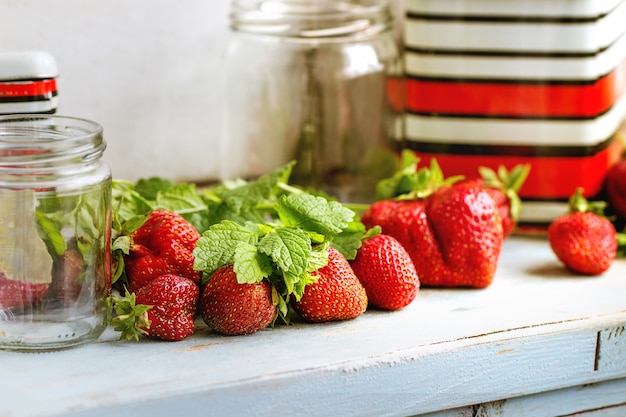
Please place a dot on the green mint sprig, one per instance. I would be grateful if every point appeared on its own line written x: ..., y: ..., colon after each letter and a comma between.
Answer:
x: 266, y: 202
x: 285, y: 252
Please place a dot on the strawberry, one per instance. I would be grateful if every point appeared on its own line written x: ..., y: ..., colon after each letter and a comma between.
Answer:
x: 387, y: 272
x: 162, y: 245
x: 503, y: 187
x: 452, y: 232
x: 65, y: 287
x: 616, y: 188
x: 583, y: 239
x: 165, y: 308
x: 336, y: 295
x: 15, y: 294
x: 234, y: 308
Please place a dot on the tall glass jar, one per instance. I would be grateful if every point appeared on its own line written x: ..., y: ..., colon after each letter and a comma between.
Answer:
x: 55, y: 196
x: 318, y: 82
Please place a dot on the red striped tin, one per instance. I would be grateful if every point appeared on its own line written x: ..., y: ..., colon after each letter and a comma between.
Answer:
x: 510, y: 82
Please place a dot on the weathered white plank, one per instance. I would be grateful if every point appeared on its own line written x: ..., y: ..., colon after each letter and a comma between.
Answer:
x: 611, y: 357
x: 599, y: 399
x: 618, y: 411
x: 535, y: 329
x: 598, y: 396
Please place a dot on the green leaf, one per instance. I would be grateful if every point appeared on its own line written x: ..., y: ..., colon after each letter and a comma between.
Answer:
x: 298, y: 286
x: 180, y: 198
x: 318, y: 258
x: 122, y: 244
x: 350, y: 239
x: 149, y: 188
x: 118, y: 267
x: 49, y: 230
x: 241, y: 201
x: 126, y: 202
x: 314, y: 214
x: 250, y: 266
x: 218, y: 244
x: 288, y: 248
x: 249, y: 194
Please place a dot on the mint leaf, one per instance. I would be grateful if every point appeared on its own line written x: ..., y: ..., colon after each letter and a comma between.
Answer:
x: 314, y: 214
x: 122, y: 244
x: 127, y: 203
x: 218, y: 244
x: 319, y: 258
x: 250, y: 266
x: 180, y: 198
x: 288, y: 248
x: 349, y: 240
x: 149, y: 188
x: 240, y: 201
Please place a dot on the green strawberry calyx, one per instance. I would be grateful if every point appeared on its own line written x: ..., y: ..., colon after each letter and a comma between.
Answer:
x: 508, y: 182
x: 411, y: 182
x: 131, y: 319
x: 578, y: 203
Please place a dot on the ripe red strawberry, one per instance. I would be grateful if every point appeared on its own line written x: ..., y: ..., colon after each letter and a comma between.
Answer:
x: 234, y: 308
x: 453, y: 234
x: 583, y: 239
x: 503, y: 187
x: 616, y: 188
x: 162, y: 245
x: 336, y: 295
x: 15, y: 294
x: 387, y: 272
x: 165, y: 308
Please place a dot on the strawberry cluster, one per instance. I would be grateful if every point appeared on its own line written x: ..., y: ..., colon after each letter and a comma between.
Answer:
x: 244, y: 256
x: 246, y: 290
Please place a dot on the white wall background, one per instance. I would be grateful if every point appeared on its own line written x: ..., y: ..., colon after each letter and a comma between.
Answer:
x: 147, y: 70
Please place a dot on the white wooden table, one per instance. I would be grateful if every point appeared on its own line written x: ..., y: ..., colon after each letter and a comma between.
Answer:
x: 538, y: 342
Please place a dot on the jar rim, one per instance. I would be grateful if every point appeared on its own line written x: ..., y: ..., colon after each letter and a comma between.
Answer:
x: 36, y: 140
x: 311, y: 19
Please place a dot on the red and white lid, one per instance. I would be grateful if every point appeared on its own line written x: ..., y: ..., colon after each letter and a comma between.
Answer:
x: 28, y: 82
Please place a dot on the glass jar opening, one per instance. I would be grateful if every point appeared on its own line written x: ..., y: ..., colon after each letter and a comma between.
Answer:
x: 37, y: 141
x: 305, y: 20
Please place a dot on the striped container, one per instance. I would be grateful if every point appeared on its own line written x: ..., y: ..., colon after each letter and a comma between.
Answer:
x: 525, y: 81
x: 28, y: 82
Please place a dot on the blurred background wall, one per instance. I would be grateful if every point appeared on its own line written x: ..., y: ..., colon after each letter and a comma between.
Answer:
x: 147, y: 70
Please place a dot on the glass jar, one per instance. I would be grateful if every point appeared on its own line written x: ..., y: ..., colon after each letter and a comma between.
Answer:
x: 55, y: 197
x: 317, y: 82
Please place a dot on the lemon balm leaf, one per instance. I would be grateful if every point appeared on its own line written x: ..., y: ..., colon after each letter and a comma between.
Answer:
x: 218, y: 244
x: 250, y: 265
x: 288, y: 248
x: 314, y: 214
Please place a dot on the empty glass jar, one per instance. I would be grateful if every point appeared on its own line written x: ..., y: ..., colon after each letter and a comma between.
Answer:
x: 318, y: 82
x: 54, y: 232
